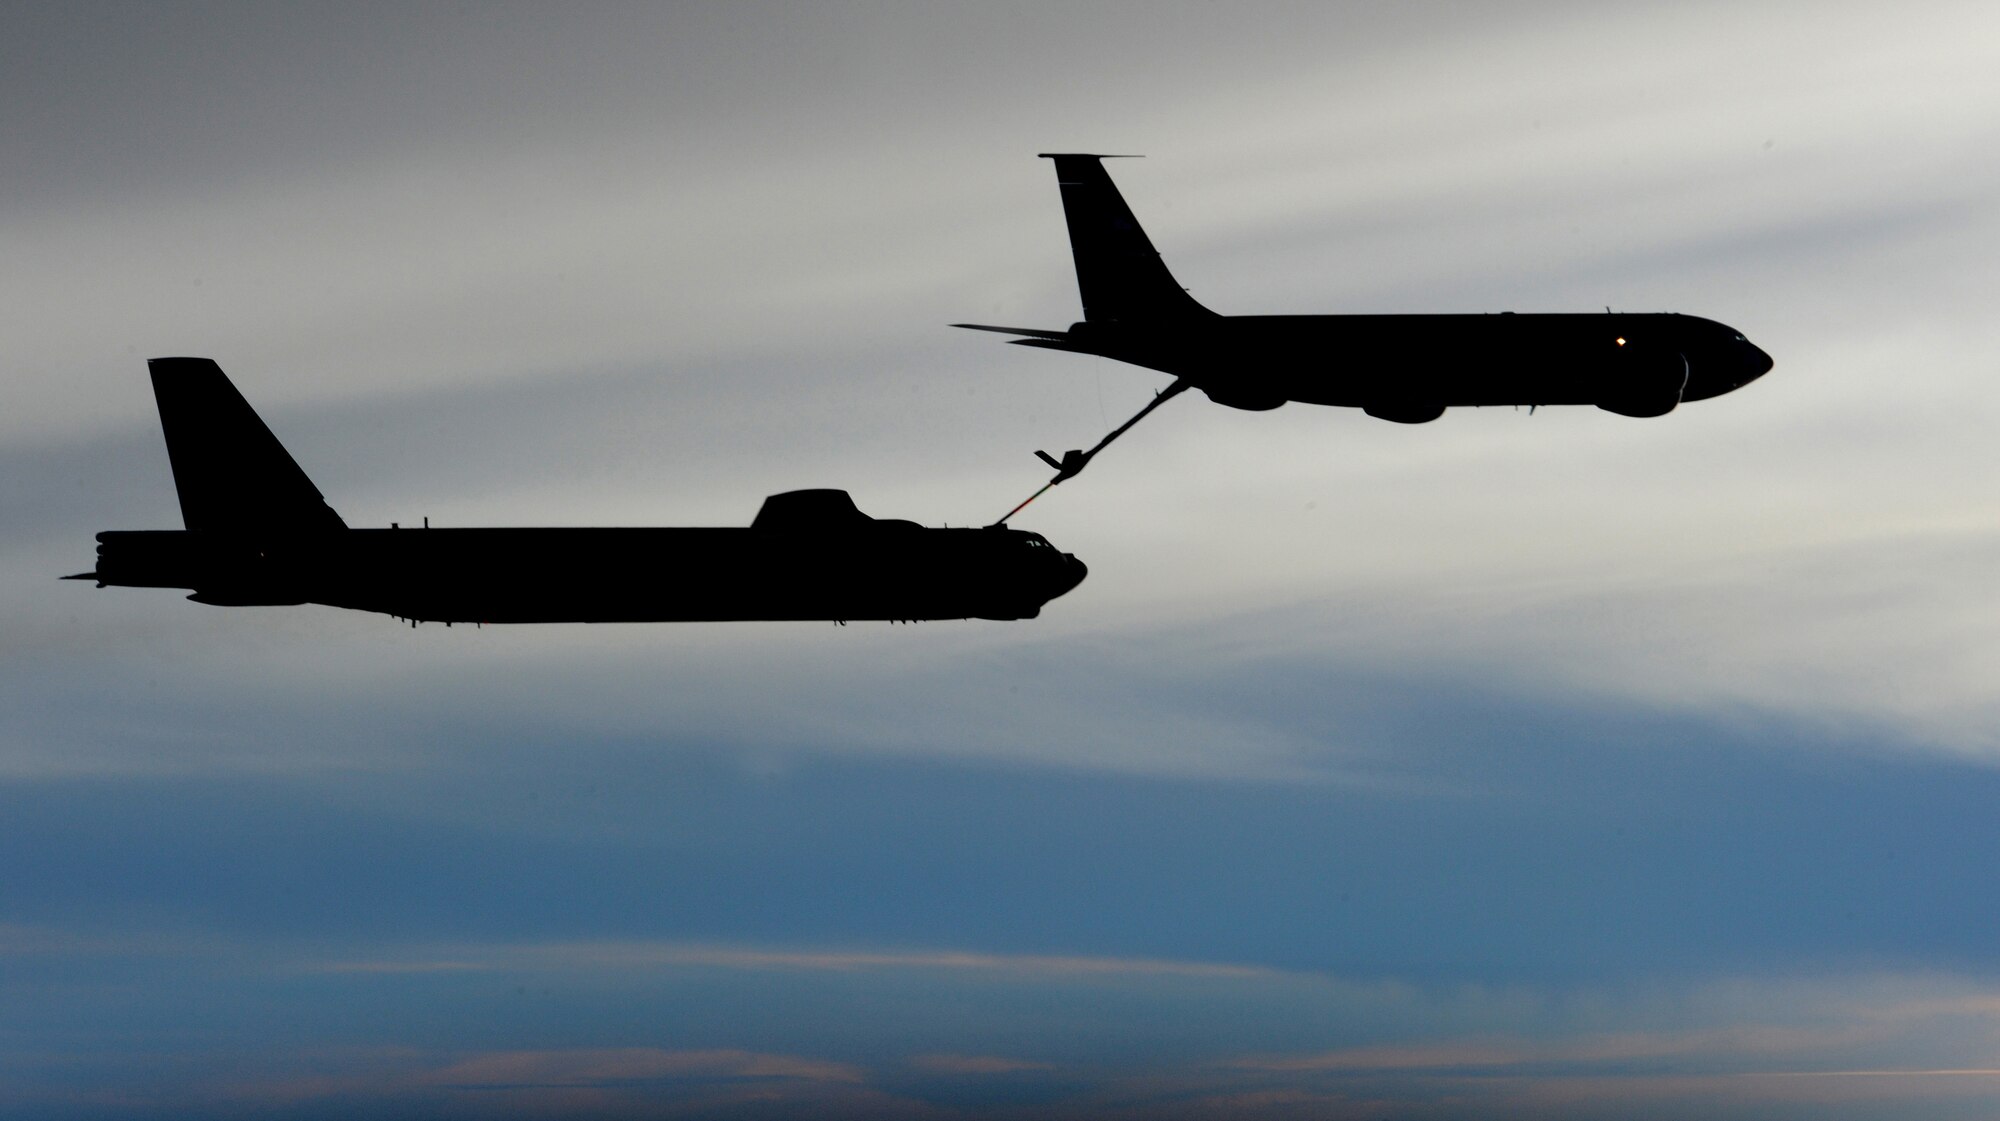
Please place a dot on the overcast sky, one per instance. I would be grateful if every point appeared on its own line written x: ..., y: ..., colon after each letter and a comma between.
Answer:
x: 1563, y: 765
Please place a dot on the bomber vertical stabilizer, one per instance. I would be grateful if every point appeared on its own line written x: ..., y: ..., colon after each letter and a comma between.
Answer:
x: 231, y: 472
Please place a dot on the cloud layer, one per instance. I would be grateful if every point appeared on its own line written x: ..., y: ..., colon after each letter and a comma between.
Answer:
x: 1543, y: 766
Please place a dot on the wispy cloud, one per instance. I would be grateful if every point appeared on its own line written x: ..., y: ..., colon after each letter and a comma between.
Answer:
x: 1725, y: 1048
x: 1800, y: 1049
x: 1584, y: 1051
x: 622, y: 1065
x: 607, y: 1081
x: 675, y: 955
x: 975, y: 1064
x: 396, y: 967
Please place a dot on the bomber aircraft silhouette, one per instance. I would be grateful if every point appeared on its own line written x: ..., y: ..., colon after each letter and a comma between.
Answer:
x: 1405, y: 368
x: 259, y: 532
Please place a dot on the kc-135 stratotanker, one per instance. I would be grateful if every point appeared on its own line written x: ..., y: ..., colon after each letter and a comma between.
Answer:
x: 259, y: 533
x: 1404, y: 368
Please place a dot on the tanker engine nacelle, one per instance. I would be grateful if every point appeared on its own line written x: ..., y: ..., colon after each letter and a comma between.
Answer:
x: 1643, y: 381
x: 1405, y: 410
x: 1241, y: 397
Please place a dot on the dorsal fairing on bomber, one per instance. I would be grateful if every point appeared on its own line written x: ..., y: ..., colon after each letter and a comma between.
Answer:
x: 231, y: 472
x: 1118, y: 272
x: 821, y: 510
x: 810, y: 511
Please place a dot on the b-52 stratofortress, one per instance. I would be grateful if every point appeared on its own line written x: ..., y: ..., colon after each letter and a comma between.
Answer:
x: 258, y: 532
x: 1404, y: 368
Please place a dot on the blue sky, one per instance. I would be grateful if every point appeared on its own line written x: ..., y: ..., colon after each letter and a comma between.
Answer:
x: 1561, y: 765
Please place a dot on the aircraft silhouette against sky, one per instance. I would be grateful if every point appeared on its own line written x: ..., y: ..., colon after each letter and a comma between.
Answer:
x: 1405, y: 368
x: 259, y: 533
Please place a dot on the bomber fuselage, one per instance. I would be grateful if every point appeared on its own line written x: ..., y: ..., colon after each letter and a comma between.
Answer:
x: 259, y: 532
x: 881, y: 570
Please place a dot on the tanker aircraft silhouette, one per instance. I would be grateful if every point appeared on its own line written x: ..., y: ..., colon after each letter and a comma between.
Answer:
x: 259, y: 532
x: 1405, y: 368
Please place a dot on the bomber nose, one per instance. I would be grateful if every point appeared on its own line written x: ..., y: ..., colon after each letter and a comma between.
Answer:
x: 1072, y: 574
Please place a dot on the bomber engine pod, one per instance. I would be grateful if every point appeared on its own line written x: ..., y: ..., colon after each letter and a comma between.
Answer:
x: 259, y: 533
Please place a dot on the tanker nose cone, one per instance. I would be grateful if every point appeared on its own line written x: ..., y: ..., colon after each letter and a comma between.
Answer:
x: 1756, y: 363
x: 1748, y: 362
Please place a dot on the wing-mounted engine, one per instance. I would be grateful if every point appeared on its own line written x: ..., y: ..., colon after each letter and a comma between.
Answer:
x: 1642, y: 380
x: 1408, y: 410
x: 1250, y: 400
